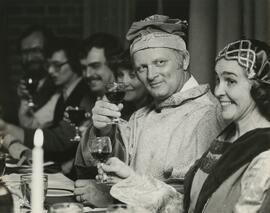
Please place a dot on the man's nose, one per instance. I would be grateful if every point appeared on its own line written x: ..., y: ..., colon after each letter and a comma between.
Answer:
x: 51, y: 70
x: 89, y: 72
x: 151, y: 73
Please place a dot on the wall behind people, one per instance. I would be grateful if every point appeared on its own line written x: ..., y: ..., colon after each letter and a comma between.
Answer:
x: 108, y: 16
x: 213, y: 23
x: 75, y: 18
x: 116, y: 16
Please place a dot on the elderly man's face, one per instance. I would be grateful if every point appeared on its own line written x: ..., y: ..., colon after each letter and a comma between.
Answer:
x: 160, y: 70
x: 96, y: 71
x: 32, y: 55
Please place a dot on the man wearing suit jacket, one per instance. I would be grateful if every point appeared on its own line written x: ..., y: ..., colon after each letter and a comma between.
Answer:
x: 65, y: 70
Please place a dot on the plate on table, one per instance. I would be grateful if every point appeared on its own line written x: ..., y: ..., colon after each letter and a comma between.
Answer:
x: 58, y: 192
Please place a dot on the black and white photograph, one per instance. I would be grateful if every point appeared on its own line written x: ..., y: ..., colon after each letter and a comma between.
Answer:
x: 134, y: 106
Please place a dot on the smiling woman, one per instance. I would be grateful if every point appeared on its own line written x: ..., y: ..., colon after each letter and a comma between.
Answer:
x: 135, y: 91
x: 239, y: 157
x: 233, y: 175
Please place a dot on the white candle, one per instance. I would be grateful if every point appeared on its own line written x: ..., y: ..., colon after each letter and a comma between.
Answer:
x: 37, y: 187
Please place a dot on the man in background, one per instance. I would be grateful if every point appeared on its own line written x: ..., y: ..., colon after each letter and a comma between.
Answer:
x: 33, y: 45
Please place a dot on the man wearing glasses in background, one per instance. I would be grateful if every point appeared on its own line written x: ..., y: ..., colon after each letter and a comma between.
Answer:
x: 97, y: 50
x: 64, y: 68
x: 33, y: 45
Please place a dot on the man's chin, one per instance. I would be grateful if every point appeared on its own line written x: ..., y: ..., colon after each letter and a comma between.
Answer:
x: 96, y: 88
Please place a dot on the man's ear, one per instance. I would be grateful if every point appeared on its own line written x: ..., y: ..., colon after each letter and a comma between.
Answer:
x: 186, y: 60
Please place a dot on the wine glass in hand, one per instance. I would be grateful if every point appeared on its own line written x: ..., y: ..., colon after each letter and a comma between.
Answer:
x: 31, y: 85
x: 115, y: 93
x: 100, y: 148
x: 76, y: 116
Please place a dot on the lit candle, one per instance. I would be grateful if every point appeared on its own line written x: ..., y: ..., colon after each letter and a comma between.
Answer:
x: 37, y: 188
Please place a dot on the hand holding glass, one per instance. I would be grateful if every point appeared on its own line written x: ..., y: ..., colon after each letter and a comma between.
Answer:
x: 115, y: 92
x: 101, y: 149
x: 31, y: 85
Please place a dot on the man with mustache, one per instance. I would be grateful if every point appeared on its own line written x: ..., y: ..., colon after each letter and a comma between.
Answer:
x: 97, y: 49
x: 33, y: 45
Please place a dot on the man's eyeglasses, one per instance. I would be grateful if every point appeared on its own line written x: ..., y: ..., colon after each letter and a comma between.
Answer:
x: 33, y: 51
x: 56, y: 65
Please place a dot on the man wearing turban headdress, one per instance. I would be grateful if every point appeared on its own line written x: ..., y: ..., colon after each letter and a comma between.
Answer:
x: 163, y: 139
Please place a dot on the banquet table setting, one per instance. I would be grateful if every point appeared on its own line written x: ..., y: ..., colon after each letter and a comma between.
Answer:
x: 59, y: 188
x: 39, y: 186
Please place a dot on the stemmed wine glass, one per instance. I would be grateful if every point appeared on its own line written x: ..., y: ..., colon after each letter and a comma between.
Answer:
x: 2, y: 163
x: 100, y: 148
x: 31, y: 85
x: 115, y: 92
x: 76, y: 116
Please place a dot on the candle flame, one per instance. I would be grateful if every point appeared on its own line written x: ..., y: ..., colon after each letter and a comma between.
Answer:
x: 38, y: 138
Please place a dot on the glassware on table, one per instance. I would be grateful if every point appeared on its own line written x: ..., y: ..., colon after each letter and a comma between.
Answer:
x: 6, y: 201
x: 115, y: 92
x: 66, y: 207
x: 31, y: 85
x: 76, y: 116
x: 25, y: 184
x: 2, y: 163
x: 101, y: 149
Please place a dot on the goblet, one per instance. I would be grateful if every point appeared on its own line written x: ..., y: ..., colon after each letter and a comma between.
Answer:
x: 31, y: 85
x: 2, y: 163
x: 115, y: 92
x: 76, y: 116
x: 101, y: 149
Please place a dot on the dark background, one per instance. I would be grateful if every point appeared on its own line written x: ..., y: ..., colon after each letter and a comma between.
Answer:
x: 78, y: 18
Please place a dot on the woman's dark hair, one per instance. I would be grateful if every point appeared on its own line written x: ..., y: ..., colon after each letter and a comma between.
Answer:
x: 120, y: 61
x: 260, y: 91
x: 71, y: 47
x: 111, y: 44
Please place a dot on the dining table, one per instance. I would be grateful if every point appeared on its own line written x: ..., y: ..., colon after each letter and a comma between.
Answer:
x: 60, y: 187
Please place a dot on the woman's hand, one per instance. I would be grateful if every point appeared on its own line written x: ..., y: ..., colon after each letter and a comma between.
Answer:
x: 113, y: 171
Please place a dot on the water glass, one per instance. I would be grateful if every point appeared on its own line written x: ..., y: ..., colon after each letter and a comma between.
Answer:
x: 26, y: 180
x: 2, y: 163
x: 66, y: 208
